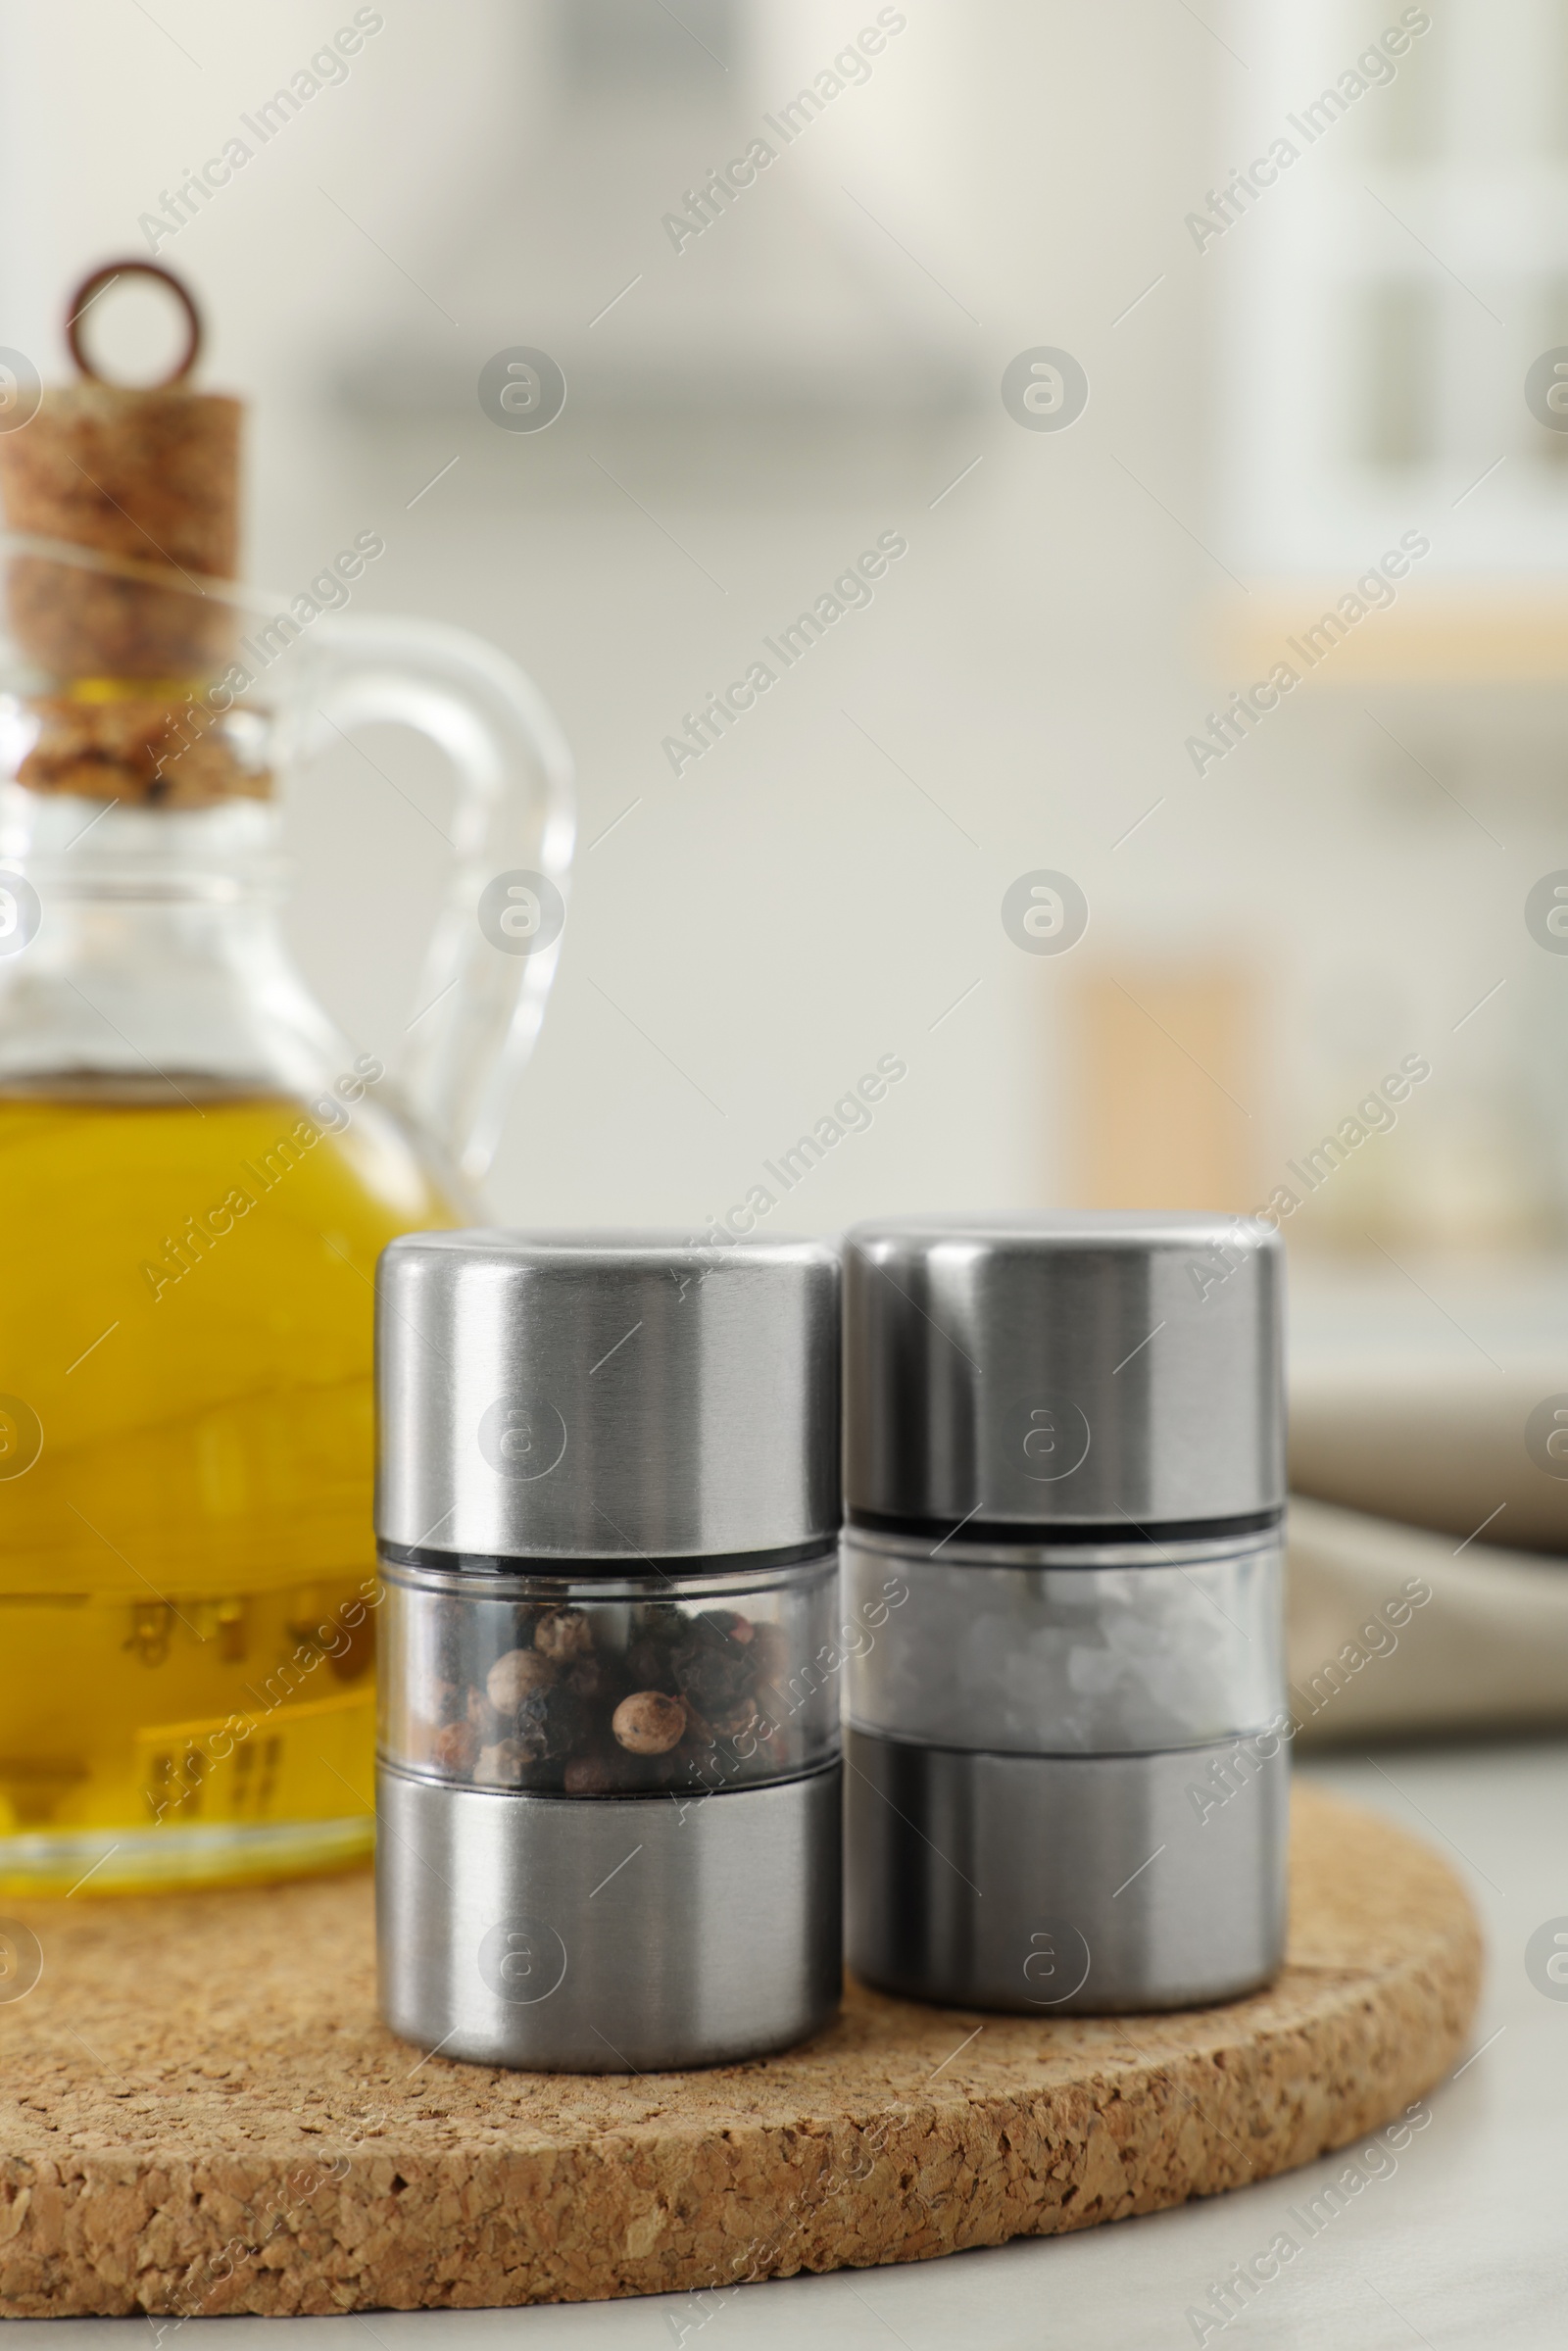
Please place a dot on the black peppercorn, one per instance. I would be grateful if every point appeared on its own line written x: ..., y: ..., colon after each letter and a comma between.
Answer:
x: 551, y: 1724
x: 714, y: 1673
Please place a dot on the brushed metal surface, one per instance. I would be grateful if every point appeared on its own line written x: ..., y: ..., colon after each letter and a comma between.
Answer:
x: 606, y: 1934
x: 1064, y: 1369
x: 611, y: 1394
x: 1062, y: 1884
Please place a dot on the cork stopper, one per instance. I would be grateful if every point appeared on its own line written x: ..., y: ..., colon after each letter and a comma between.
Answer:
x: 147, y: 479
x: 147, y: 475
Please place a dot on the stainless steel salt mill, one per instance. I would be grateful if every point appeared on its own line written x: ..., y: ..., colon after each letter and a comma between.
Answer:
x: 608, y: 1779
x: 1064, y: 1479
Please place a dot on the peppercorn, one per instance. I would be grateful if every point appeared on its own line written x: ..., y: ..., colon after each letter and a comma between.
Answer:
x: 444, y: 1701
x: 589, y: 1776
x: 648, y: 1659
x: 770, y: 1655
x: 454, y: 1746
x: 588, y: 1678
x: 513, y: 1676
x: 735, y: 1719
x: 504, y: 1765
x: 713, y: 1673
x: 649, y: 1723
x: 698, y: 1729
x: 564, y: 1633
x: 486, y: 1720
x: 729, y: 1621
x: 550, y: 1723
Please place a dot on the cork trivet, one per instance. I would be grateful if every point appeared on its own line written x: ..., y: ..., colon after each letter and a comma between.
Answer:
x: 201, y: 2113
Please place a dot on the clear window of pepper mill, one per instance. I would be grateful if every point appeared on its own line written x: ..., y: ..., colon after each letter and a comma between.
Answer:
x: 612, y: 1684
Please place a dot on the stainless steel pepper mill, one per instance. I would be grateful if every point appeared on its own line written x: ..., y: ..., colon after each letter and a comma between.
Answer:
x: 609, y: 1780
x: 1065, y: 1479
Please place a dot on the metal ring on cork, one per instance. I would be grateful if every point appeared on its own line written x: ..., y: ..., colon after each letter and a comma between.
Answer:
x: 99, y: 282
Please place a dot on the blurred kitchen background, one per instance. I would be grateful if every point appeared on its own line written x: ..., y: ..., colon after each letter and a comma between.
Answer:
x: 1271, y: 406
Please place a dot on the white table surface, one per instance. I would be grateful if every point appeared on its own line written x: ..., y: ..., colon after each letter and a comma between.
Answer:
x: 1465, y: 2244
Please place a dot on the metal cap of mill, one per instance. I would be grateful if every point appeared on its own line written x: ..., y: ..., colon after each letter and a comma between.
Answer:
x: 1064, y: 1371
x: 605, y: 1397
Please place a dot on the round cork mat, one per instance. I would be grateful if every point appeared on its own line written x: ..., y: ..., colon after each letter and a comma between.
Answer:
x: 201, y: 2114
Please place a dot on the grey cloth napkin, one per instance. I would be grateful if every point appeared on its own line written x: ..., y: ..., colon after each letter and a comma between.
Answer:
x: 1425, y: 1448
x: 1465, y: 1449
x: 1441, y: 1475
x: 1368, y: 1655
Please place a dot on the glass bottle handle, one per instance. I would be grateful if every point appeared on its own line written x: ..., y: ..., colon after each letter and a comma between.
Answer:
x: 483, y: 990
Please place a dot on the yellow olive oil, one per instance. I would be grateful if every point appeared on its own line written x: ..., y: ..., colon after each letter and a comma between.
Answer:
x: 188, y: 1571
